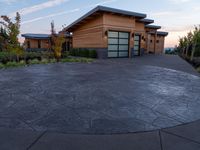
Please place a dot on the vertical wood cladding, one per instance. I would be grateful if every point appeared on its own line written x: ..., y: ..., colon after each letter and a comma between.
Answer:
x: 34, y: 43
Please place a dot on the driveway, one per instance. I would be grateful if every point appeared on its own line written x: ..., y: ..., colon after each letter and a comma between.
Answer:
x: 103, y: 97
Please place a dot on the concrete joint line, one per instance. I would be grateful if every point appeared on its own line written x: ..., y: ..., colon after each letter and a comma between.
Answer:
x: 181, y: 137
x: 35, y: 141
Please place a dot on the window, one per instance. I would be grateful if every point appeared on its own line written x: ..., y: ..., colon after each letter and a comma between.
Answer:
x: 157, y: 41
x: 39, y: 43
x: 151, y: 41
x: 28, y: 44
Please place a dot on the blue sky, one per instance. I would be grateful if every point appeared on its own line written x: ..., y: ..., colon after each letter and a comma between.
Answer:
x: 175, y: 16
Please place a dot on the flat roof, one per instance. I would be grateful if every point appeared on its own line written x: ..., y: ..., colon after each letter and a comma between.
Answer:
x: 146, y: 21
x: 153, y: 26
x: 162, y: 33
x: 106, y: 9
x: 36, y: 36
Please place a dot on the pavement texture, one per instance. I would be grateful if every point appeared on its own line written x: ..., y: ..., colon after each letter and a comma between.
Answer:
x: 107, y: 104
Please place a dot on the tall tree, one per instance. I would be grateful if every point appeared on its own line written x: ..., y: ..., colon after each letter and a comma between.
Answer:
x: 13, y: 31
x: 56, y: 42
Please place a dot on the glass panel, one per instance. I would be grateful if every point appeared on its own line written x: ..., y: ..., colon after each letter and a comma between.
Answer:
x: 137, y: 38
x: 136, y: 47
x: 113, y: 47
x: 112, y: 41
x: 123, y: 54
x: 123, y: 47
x: 112, y: 34
x: 112, y: 54
x: 136, y: 52
x: 123, y: 35
x: 136, y: 43
x: 123, y: 41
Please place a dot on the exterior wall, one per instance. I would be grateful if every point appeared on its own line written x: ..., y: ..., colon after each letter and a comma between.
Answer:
x: 45, y: 44
x: 160, y: 44
x: 89, y: 35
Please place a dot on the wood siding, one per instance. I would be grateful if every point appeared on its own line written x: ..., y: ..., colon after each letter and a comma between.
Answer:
x: 89, y: 34
x: 34, y: 43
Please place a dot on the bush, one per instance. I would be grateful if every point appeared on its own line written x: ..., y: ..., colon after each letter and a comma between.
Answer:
x: 34, y: 61
x: 44, y: 61
x: 198, y: 69
x: 83, y: 53
x: 1, y: 66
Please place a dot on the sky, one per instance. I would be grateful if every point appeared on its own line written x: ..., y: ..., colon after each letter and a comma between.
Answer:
x: 175, y: 16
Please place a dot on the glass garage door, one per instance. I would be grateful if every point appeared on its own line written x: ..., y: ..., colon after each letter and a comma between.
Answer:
x: 137, y: 45
x: 118, y: 44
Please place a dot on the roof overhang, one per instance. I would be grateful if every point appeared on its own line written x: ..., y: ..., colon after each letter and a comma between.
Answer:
x: 146, y: 21
x: 162, y: 33
x: 100, y: 9
x: 36, y: 36
x: 153, y: 27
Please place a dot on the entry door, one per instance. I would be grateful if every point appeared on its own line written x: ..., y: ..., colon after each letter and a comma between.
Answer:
x: 137, y: 45
x: 118, y: 44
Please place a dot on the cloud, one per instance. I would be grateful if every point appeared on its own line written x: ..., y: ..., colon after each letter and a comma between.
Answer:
x: 8, y: 2
x: 49, y: 16
x: 66, y: 12
x: 28, y: 10
x: 179, y: 1
x: 163, y: 13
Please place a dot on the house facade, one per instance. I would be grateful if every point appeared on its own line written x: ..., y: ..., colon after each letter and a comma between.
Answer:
x: 42, y: 42
x: 116, y: 33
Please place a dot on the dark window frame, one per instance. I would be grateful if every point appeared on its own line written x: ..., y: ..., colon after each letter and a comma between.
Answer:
x: 39, y: 43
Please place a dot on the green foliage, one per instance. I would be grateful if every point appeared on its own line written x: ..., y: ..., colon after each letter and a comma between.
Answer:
x: 34, y: 61
x: 1, y: 65
x: 198, y: 69
x: 189, y: 46
x: 56, y: 42
x: 9, y: 35
x: 44, y: 61
x: 83, y: 53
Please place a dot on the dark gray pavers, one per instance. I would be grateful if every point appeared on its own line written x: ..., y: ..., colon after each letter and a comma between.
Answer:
x: 172, y: 142
x: 141, y: 141
x: 106, y: 96
x: 189, y: 131
x: 17, y: 139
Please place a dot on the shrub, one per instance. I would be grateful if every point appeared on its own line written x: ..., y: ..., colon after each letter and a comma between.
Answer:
x: 44, y: 61
x: 83, y: 53
x: 1, y: 66
x: 12, y: 64
x: 34, y: 61
x: 65, y: 54
x: 198, y: 69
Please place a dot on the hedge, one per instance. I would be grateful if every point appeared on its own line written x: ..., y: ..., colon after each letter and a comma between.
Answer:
x: 83, y: 53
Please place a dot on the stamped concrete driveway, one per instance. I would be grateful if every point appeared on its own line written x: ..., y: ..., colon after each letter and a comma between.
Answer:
x: 106, y: 96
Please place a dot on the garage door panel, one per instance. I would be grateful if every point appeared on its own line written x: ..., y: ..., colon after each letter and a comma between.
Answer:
x: 112, y: 54
x: 118, y: 44
x: 123, y: 54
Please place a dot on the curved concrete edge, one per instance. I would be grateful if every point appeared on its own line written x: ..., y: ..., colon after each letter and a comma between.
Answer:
x: 181, y: 137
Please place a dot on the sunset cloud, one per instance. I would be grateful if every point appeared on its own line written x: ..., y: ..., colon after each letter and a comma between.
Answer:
x: 31, y: 9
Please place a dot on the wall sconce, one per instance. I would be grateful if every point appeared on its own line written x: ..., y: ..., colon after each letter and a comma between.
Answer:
x: 133, y: 34
x: 106, y: 33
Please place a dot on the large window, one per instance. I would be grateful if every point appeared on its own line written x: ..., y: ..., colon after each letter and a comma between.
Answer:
x: 118, y: 44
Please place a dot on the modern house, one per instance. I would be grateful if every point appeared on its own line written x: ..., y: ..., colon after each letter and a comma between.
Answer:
x: 111, y: 32
x: 42, y: 42
x: 37, y: 42
x: 116, y: 33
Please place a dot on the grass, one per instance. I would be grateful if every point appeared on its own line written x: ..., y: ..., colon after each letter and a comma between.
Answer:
x: 22, y: 63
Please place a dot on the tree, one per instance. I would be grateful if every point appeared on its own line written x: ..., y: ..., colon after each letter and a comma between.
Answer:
x: 12, y: 29
x: 196, y: 42
x: 56, y: 42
